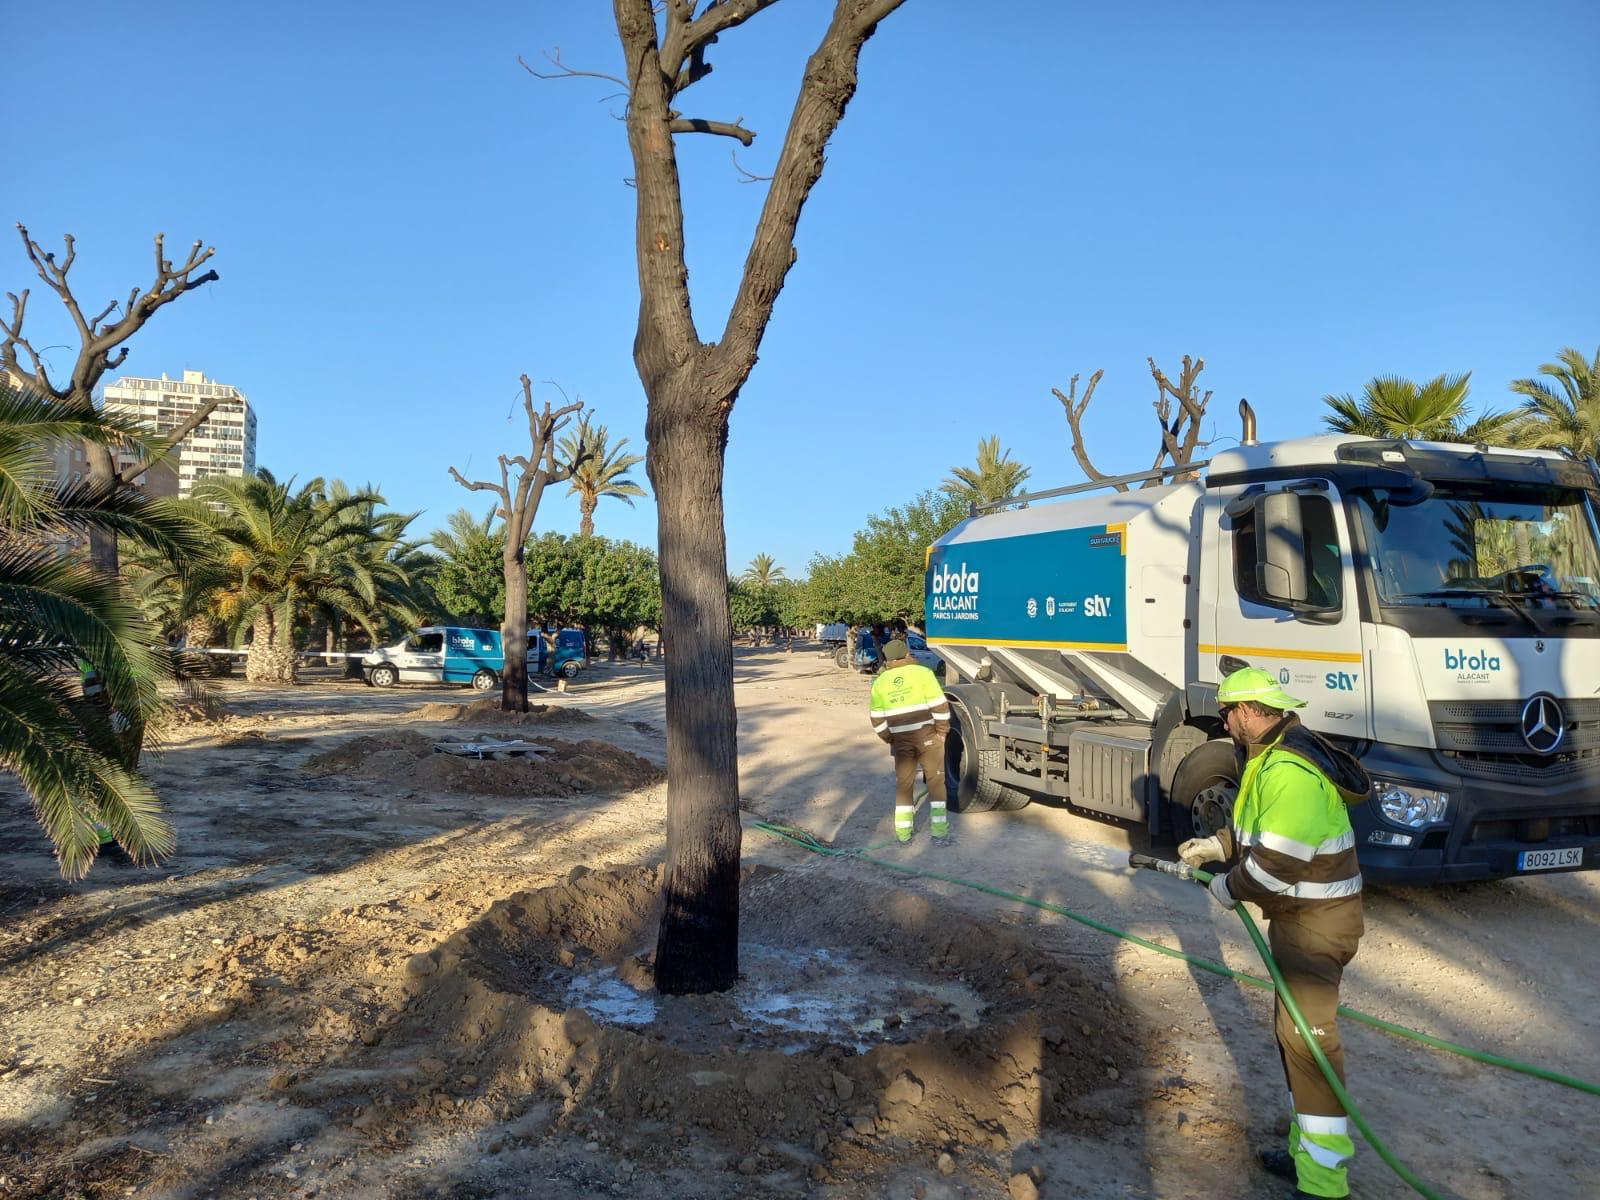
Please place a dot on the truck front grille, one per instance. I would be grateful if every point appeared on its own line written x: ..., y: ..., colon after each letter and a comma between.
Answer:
x: 1487, y: 734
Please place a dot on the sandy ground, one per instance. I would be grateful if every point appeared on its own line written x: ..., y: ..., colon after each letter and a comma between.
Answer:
x: 368, y: 974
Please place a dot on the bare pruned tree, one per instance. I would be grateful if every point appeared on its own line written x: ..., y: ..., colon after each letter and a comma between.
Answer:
x: 102, y: 347
x: 518, y: 503
x: 691, y: 385
x: 1179, y: 426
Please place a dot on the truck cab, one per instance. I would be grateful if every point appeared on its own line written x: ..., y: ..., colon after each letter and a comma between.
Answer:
x: 1433, y: 607
x: 1433, y: 603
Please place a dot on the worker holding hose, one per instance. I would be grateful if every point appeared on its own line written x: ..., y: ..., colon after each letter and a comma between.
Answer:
x: 1292, y: 852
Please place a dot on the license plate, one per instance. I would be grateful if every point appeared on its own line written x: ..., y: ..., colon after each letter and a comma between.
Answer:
x: 1550, y: 860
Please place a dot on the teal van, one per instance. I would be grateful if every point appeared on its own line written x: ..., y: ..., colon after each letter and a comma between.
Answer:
x: 459, y: 655
x: 439, y: 654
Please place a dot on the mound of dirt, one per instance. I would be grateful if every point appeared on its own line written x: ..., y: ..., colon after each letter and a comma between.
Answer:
x: 560, y: 768
x: 913, y: 1027
x: 488, y: 712
x: 186, y: 714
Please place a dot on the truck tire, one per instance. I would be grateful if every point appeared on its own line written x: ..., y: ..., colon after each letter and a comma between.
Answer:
x: 383, y: 675
x: 841, y: 657
x: 484, y: 680
x: 969, y: 768
x: 569, y: 669
x: 1204, y: 789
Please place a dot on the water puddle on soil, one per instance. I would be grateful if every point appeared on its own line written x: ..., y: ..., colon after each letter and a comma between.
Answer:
x: 784, y: 992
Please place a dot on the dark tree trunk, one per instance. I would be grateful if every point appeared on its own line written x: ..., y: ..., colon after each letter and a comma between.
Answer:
x: 691, y: 386
x: 586, y: 507
x: 102, y: 543
x: 697, y: 949
x: 514, y: 633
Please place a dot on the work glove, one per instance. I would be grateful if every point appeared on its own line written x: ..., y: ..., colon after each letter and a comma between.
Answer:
x: 1197, y: 852
x: 1218, y: 887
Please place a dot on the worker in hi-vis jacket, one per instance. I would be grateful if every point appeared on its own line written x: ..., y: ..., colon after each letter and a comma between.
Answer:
x: 1291, y: 851
x: 910, y: 712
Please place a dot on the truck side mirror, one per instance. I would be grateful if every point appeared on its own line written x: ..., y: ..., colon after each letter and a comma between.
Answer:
x: 1281, y: 549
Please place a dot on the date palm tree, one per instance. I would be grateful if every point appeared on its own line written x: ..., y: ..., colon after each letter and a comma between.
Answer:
x: 598, y: 470
x: 290, y: 552
x: 62, y: 623
x: 1564, y: 416
x: 1391, y: 406
x: 996, y: 476
x: 763, y: 572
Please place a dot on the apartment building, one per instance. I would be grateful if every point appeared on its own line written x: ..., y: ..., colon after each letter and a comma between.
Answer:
x: 223, y: 444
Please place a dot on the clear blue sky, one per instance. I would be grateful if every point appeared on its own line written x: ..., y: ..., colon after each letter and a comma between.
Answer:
x: 405, y: 222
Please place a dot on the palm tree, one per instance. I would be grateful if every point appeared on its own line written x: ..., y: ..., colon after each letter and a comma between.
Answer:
x: 469, y: 569
x: 1567, y: 420
x: 62, y: 623
x: 1391, y: 406
x: 996, y: 477
x: 289, y: 552
x: 598, y: 470
x: 762, y: 572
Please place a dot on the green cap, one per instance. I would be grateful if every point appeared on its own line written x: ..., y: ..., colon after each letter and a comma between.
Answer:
x: 894, y: 650
x: 1252, y: 683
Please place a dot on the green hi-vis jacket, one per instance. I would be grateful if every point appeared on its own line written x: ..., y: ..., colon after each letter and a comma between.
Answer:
x: 908, y: 699
x: 1291, y: 833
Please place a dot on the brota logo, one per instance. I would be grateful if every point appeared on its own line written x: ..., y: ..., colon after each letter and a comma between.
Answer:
x: 955, y: 593
x: 1461, y: 660
x: 954, y: 583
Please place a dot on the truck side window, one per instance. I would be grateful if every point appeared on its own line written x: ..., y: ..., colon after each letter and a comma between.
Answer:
x: 430, y: 643
x: 1323, y: 569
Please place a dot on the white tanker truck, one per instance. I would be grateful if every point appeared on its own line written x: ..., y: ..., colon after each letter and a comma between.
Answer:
x: 1436, y: 605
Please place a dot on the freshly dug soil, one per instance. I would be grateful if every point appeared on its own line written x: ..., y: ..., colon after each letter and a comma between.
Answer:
x: 489, y: 712
x: 546, y: 1003
x: 562, y: 768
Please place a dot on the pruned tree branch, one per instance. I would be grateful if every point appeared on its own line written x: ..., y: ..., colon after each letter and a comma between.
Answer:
x: 536, y: 470
x: 1075, y: 409
x: 98, y: 342
x: 731, y: 129
x: 688, y: 35
x: 1179, y: 428
x: 1180, y: 432
x: 829, y: 84
x: 131, y: 472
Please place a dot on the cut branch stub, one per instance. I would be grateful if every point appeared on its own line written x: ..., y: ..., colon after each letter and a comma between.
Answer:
x: 1075, y: 408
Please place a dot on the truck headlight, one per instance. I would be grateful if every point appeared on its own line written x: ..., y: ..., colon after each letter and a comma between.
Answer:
x: 1409, y: 805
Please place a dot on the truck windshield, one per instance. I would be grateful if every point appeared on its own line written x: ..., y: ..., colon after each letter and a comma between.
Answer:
x: 1483, y: 546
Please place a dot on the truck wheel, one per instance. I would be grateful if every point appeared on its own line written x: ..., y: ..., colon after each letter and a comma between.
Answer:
x: 484, y: 680
x: 569, y: 669
x: 969, y: 769
x: 383, y: 675
x: 1204, y: 789
x: 841, y: 656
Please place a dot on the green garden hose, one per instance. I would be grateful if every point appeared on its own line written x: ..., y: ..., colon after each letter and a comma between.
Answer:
x: 806, y: 840
x: 1194, y: 874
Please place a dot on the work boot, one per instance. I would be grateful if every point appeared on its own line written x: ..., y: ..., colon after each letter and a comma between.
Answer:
x: 1278, y: 1162
x: 948, y: 839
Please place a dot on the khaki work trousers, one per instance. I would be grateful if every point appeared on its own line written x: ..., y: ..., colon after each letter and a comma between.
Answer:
x: 921, y: 748
x: 1312, y: 962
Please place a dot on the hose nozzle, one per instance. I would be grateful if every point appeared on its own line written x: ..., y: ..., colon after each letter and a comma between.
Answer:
x: 1167, y: 867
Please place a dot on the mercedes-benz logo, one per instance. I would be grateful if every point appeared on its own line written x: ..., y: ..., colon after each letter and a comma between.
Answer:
x: 1544, y: 725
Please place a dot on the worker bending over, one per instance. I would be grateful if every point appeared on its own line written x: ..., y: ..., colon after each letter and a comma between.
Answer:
x: 1292, y: 852
x: 910, y: 712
